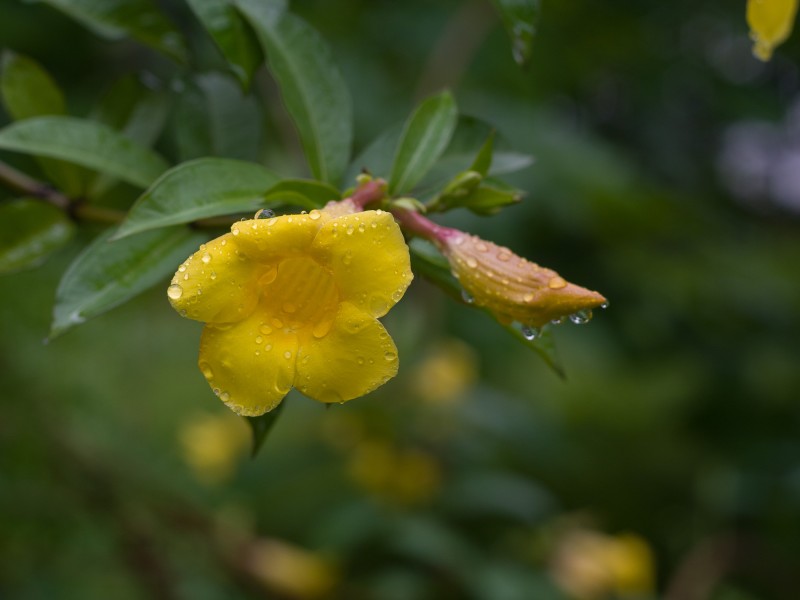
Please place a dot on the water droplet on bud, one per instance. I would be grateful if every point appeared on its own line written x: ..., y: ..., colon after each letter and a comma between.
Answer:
x: 174, y: 291
x: 265, y: 213
x: 581, y: 317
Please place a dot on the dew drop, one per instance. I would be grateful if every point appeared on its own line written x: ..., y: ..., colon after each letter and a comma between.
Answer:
x: 268, y: 276
x: 259, y: 339
x: 557, y: 321
x: 225, y: 397
x: 581, y: 317
x: 268, y: 347
x: 174, y: 291
x: 314, y: 215
x: 182, y: 268
x: 265, y: 213
x: 235, y: 230
x: 186, y: 277
x: 472, y: 263
x: 223, y: 242
x: 213, y: 274
x: 504, y: 255
x: 361, y: 360
x: 347, y: 258
x: 467, y: 297
x: 287, y: 355
x: 265, y: 329
x: 556, y: 283
x: 321, y: 329
x: 206, y: 370
x: 482, y: 247
x: 206, y: 258
x: 276, y: 323
x: 605, y: 305
x: 528, y: 297
x: 350, y: 229
x: 530, y: 333
x: 289, y: 307
x: 390, y: 356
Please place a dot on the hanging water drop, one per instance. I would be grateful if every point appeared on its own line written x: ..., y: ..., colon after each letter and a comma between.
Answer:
x: 467, y: 297
x: 581, y: 317
x: 530, y: 333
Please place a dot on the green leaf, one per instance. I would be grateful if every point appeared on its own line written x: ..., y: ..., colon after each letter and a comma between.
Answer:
x: 377, y: 157
x: 29, y: 91
x: 231, y: 35
x: 424, y: 138
x: 519, y: 18
x: 483, y: 160
x: 108, y: 274
x: 134, y: 110
x: 214, y: 118
x: 543, y: 344
x: 116, y: 19
x: 29, y: 231
x: 261, y: 426
x: 312, y: 194
x: 489, y: 198
x: 86, y: 143
x: 202, y: 188
x: 312, y: 87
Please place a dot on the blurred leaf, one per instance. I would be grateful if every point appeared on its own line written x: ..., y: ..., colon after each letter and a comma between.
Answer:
x: 491, y: 197
x: 424, y: 138
x: 312, y: 87
x: 214, y: 118
x: 86, y: 143
x: 107, y: 274
x: 377, y: 157
x: 132, y: 109
x: 483, y: 160
x: 115, y: 19
x: 314, y: 194
x: 519, y: 18
x: 30, y: 230
x: 202, y: 188
x: 261, y: 426
x: 29, y: 91
x: 231, y: 35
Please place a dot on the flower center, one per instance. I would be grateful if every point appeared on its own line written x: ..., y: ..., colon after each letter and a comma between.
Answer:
x: 299, y: 293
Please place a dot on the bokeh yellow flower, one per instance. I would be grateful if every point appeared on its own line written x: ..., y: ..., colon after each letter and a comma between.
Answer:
x: 511, y: 287
x: 213, y: 444
x: 294, y: 301
x: 770, y: 24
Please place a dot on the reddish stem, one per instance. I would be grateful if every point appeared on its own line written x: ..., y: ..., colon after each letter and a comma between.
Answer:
x: 414, y: 223
x: 369, y: 192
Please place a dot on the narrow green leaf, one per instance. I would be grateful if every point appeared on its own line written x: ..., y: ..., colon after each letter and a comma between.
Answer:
x: 86, y: 143
x: 108, y: 274
x: 544, y: 345
x: 424, y: 138
x: 202, y: 188
x: 520, y: 18
x: 312, y: 87
x: 231, y: 35
x: 483, y: 160
x: 315, y: 194
x: 29, y: 91
x: 261, y: 426
x: 115, y: 19
x: 214, y: 118
x: 490, y: 197
x: 29, y: 231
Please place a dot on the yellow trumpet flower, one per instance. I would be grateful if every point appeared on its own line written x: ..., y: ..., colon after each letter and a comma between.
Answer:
x: 770, y: 24
x: 294, y: 301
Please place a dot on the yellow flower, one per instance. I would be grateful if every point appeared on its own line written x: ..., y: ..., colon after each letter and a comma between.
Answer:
x: 512, y: 288
x: 770, y: 24
x: 213, y: 444
x: 293, y: 301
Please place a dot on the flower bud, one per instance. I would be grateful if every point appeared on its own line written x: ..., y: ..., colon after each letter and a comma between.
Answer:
x: 512, y: 288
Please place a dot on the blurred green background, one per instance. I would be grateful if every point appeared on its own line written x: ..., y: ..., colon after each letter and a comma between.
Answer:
x: 666, y: 465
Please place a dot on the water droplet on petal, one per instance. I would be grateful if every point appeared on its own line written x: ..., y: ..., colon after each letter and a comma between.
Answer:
x: 269, y: 275
x: 467, y: 297
x: 174, y: 291
x: 504, y: 255
x: 213, y: 274
x: 265, y: 213
x: 287, y: 355
x: 289, y: 307
x: 528, y: 297
x: 556, y: 283
x: 265, y: 329
x: 605, y: 305
x: 390, y: 356
x: 259, y: 339
x: 268, y: 347
x: 182, y: 268
x: 347, y: 258
x: 206, y: 258
x: 314, y: 215
x: 581, y: 317
x: 472, y: 263
x: 530, y: 333
x: 223, y: 242
x: 276, y: 323
x: 235, y: 230
x: 361, y: 360
x: 225, y: 397
x: 206, y: 370
x: 557, y: 321
x: 322, y: 328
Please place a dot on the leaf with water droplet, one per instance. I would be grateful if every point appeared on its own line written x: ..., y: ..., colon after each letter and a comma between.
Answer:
x: 543, y: 344
x: 261, y: 426
x: 520, y: 18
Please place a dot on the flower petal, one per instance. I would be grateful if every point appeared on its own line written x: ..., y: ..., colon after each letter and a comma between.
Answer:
x: 369, y: 259
x: 353, y: 358
x: 250, y: 370
x: 266, y: 239
x: 217, y: 284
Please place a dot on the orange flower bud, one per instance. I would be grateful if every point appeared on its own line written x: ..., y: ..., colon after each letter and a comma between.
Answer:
x: 512, y: 288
